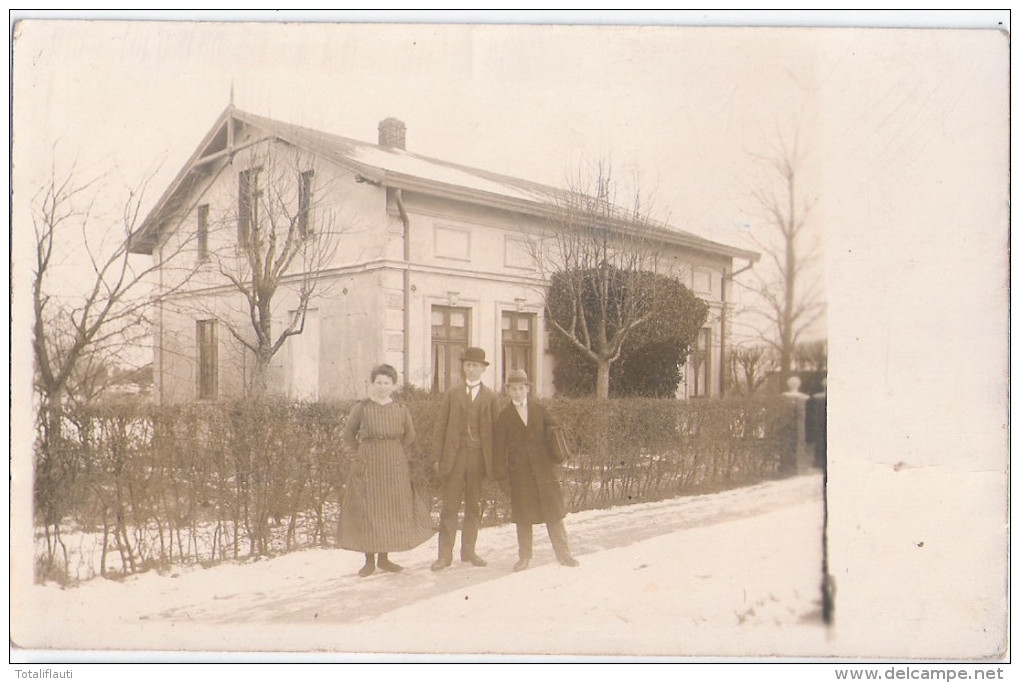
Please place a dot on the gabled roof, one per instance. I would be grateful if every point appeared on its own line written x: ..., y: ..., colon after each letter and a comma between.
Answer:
x: 389, y: 167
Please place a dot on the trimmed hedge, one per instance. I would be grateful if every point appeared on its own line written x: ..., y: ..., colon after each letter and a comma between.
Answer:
x: 123, y: 490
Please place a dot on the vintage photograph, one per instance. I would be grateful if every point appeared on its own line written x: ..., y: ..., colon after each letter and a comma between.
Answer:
x: 452, y: 339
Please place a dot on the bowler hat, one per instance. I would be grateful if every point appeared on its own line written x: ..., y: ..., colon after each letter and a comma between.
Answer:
x: 473, y: 353
x: 517, y: 377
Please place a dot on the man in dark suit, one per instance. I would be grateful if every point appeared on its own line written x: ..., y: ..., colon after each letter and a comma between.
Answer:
x: 524, y: 467
x: 463, y: 450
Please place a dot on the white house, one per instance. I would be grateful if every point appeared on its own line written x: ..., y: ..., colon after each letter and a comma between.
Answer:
x: 432, y: 257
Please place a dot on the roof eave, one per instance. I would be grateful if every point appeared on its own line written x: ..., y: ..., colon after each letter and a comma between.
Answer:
x: 545, y: 210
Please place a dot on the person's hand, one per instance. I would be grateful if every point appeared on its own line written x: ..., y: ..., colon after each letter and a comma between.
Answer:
x: 435, y: 466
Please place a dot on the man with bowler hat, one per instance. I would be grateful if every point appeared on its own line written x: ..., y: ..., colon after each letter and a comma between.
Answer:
x: 523, y: 467
x: 463, y: 450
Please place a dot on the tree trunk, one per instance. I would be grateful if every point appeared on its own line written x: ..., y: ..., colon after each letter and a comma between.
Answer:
x: 602, y: 380
x: 260, y: 374
x: 48, y: 468
x: 786, y: 329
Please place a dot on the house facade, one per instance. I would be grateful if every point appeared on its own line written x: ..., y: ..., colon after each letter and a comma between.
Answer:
x: 428, y: 258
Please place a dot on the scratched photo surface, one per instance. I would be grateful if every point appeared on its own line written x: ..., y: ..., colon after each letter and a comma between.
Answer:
x: 422, y: 173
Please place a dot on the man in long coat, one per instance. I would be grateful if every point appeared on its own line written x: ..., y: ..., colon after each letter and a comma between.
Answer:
x: 462, y: 444
x: 522, y: 464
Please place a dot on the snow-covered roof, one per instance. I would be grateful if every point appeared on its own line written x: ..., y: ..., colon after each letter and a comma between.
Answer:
x: 398, y: 161
x: 401, y: 169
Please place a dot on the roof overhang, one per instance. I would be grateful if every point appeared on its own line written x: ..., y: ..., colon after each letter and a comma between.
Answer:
x: 549, y: 211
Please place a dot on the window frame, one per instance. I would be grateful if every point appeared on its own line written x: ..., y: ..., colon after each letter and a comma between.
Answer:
x: 207, y: 379
x: 701, y: 358
x: 306, y: 191
x: 202, y: 232
x: 249, y: 192
x: 444, y: 349
x: 513, y: 343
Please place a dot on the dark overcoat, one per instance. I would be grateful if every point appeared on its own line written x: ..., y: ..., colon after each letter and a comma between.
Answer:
x: 449, y: 423
x: 521, y: 457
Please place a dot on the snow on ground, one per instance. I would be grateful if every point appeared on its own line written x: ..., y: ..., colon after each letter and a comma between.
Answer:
x: 655, y: 578
x: 733, y: 574
x: 920, y: 556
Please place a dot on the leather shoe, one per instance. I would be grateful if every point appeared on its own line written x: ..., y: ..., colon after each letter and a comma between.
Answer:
x: 521, y: 564
x: 475, y: 560
x: 568, y: 561
x: 388, y: 566
x: 441, y: 564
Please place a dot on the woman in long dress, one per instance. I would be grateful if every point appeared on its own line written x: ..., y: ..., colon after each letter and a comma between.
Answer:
x: 381, y: 512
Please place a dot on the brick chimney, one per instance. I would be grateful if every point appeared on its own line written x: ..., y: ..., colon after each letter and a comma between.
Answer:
x: 392, y: 133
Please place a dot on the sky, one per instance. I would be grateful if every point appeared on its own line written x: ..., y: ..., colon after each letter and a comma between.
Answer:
x: 684, y: 114
x: 525, y: 100
x: 678, y: 112
x: 905, y: 132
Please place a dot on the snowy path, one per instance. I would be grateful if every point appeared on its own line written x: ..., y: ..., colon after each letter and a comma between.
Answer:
x: 655, y: 578
x: 347, y: 597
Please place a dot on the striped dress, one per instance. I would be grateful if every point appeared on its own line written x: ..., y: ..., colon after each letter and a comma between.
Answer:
x: 381, y: 512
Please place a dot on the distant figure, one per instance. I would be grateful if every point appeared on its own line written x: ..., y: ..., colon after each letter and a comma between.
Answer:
x: 462, y: 442
x: 816, y: 425
x: 524, y: 467
x: 381, y: 511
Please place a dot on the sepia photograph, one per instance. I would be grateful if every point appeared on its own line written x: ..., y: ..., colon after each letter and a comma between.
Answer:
x: 436, y: 338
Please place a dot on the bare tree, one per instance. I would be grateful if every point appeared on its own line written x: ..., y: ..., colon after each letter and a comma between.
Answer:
x: 597, y: 257
x: 90, y: 378
x: 790, y: 295
x: 104, y: 311
x: 83, y: 321
x: 750, y: 367
x: 812, y: 356
x: 285, y: 238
